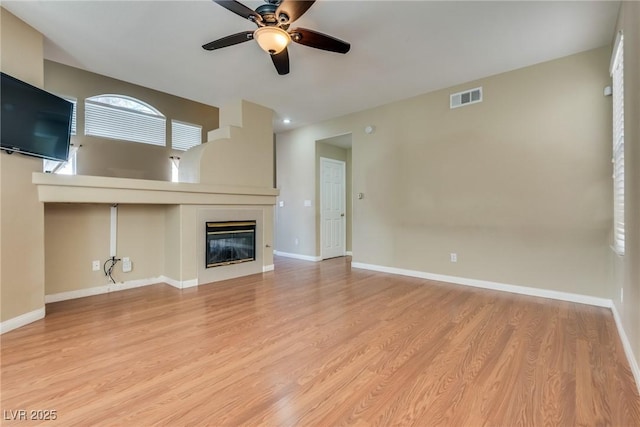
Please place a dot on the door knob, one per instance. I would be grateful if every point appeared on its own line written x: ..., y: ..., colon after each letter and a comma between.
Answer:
x: 341, y: 214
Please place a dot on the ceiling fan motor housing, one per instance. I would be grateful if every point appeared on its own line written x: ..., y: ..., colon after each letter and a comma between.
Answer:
x: 268, y: 13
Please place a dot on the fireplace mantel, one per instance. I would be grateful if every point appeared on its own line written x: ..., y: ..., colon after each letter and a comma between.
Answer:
x: 94, y: 189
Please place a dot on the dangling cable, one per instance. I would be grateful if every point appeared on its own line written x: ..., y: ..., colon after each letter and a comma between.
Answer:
x: 107, y: 272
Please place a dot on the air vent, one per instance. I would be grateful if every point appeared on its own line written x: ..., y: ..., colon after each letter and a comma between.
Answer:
x: 467, y: 97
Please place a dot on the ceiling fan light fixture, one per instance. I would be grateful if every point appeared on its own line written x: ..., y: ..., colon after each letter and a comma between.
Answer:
x: 272, y: 40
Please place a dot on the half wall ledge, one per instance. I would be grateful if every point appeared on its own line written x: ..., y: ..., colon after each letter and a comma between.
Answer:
x: 94, y: 189
x: 188, y: 207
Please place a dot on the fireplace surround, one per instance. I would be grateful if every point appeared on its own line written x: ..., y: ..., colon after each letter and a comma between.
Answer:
x: 230, y: 242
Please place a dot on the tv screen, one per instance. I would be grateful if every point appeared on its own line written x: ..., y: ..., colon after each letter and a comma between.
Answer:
x: 34, y: 122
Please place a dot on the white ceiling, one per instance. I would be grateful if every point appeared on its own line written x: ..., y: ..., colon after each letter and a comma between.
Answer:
x: 399, y: 49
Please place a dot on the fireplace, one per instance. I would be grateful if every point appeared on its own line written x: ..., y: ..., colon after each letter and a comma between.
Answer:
x: 230, y: 242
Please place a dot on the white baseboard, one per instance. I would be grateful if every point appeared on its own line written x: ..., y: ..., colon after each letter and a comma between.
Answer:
x: 22, y: 320
x: 266, y: 268
x: 524, y: 290
x: 628, y: 351
x: 180, y: 284
x: 298, y: 256
x: 98, y: 290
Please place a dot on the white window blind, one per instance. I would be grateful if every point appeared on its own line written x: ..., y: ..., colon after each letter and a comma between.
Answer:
x: 185, y: 135
x: 617, y: 73
x: 124, y: 118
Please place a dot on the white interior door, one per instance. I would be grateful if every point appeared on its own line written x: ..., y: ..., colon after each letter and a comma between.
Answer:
x: 332, y: 208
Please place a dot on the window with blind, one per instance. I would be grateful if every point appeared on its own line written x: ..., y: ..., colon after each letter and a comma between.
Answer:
x: 175, y: 168
x: 124, y: 118
x: 185, y: 135
x: 617, y: 74
x: 62, y: 168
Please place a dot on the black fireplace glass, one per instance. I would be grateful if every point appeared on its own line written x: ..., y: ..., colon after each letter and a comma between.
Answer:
x: 230, y: 242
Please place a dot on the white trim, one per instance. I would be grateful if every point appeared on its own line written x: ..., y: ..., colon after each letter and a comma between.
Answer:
x: 485, y: 284
x: 22, y: 320
x: 615, y: 57
x: 113, y: 231
x: 180, y: 284
x: 266, y: 268
x: 98, y: 290
x: 349, y: 253
x: 628, y: 351
x: 298, y: 256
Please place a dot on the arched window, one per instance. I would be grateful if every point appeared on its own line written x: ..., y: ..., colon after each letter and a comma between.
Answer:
x: 125, y: 118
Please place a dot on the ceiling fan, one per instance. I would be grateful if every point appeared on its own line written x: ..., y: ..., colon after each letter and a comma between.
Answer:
x: 273, y: 34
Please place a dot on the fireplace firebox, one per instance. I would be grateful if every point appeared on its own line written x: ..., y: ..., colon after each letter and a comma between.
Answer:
x: 230, y: 242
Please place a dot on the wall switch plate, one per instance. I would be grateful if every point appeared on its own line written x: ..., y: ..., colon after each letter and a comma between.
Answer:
x: 307, y: 203
x: 296, y: 241
x: 281, y: 203
x: 95, y: 265
x: 126, y: 265
x: 454, y: 257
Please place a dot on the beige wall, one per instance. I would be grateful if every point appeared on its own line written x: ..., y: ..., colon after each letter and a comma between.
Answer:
x: 22, y: 215
x: 296, y: 181
x: 107, y: 157
x: 77, y: 234
x: 329, y: 151
x: 174, y: 243
x: 627, y: 268
x: 518, y: 186
x: 239, y: 153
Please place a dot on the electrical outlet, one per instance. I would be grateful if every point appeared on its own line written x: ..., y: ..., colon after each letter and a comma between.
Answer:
x: 454, y: 257
x: 95, y: 265
x: 126, y: 264
x: 296, y: 241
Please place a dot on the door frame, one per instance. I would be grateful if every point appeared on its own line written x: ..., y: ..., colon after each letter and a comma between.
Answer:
x: 344, y: 205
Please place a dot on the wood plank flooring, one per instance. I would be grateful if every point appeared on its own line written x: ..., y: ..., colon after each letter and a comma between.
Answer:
x: 317, y: 344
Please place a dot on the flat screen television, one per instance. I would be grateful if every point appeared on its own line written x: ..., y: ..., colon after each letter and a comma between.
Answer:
x: 33, y: 121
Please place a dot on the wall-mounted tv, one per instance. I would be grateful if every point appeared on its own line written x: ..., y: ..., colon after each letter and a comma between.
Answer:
x: 33, y: 121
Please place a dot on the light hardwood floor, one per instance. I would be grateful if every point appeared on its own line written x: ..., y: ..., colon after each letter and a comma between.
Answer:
x: 316, y: 344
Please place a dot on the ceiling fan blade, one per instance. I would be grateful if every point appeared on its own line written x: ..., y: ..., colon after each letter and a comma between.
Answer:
x: 319, y: 41
x: 290, y: 10
x: 229, y: 40
x: 240, y: 9
x: 281, y: 61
